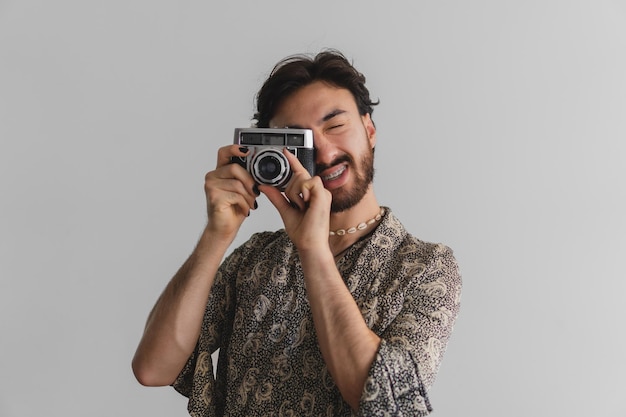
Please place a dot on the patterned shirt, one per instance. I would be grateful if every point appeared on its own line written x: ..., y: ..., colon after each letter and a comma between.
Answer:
x: 270, y: 363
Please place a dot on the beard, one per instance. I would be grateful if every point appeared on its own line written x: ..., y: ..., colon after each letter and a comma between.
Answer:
x: 346, y: 198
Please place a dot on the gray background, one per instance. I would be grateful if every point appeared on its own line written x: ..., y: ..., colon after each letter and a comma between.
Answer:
x: 501, y: 133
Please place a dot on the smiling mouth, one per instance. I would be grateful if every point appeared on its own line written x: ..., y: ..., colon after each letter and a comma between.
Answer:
x: 334, y: 175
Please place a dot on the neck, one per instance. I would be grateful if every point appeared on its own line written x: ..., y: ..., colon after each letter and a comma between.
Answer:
x: 366, y: 210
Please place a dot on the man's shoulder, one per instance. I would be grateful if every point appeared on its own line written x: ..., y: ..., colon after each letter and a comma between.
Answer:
x: 267, y: 235
x: 266, y: 239
x: 409, y: 245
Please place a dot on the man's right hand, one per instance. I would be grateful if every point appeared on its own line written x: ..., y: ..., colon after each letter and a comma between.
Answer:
x: 230, y: 192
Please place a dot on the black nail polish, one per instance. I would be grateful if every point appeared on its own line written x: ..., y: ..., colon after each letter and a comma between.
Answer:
x: 255, y: 188
x: 256, y: 205
x: 243, y: 149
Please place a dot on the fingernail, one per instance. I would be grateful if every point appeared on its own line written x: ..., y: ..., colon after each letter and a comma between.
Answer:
x: 256, y: 189
x: 243, y: 149
x: 256, y: 205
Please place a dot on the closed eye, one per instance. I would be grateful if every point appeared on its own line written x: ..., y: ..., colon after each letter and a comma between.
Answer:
x: 336, y: 129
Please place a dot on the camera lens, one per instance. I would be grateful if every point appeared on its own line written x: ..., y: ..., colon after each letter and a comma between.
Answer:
x: 270, y: 167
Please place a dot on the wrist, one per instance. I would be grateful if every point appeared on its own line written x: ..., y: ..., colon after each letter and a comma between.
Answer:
x: 215, y: 239
x: 317, y: 257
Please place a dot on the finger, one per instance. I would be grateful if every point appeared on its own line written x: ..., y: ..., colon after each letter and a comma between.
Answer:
x: 225, y: 154
x: 293, y: 191
x: 235, y: 171
x: 227, y: 194
x: 216, y: 186
x: 231, y: 201
x: 307, y: 186
x: 313, y: 187
x: 295, y: 164
x: 302, y: 188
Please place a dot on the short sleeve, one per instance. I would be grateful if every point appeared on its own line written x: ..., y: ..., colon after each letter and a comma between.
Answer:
x: 196, y: 380
x: 413, y: 344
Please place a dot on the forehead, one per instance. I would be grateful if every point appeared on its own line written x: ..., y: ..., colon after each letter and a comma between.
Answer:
x: 312, y: 103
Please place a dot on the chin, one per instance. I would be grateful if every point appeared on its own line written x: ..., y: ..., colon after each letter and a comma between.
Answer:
x: 346, y: 200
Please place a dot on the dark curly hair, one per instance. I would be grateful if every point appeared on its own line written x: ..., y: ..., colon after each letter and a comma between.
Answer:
x: 297, y: 71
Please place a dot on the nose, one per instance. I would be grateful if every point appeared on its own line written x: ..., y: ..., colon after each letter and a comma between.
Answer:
x: 325, y: 151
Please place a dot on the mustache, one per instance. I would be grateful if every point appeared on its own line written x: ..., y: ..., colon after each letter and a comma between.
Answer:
x: 336, y: 161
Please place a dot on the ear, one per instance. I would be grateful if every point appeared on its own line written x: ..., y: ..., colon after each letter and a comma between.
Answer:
x: 370, y: 129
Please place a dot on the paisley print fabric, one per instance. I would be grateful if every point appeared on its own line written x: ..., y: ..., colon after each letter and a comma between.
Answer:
x: 269, y: 362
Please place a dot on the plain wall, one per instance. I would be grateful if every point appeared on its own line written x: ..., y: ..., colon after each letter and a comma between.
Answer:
x: 501, y: 133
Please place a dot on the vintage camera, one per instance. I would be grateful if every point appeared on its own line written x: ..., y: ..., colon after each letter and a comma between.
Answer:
x: 266, y: 162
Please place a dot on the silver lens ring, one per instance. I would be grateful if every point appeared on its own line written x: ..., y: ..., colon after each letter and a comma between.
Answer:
x: 270, y: 166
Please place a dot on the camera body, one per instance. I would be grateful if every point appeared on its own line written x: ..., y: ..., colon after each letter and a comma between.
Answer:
x: 266, y: 162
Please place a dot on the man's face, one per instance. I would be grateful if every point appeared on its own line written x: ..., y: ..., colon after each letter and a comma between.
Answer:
x: 344, y: 140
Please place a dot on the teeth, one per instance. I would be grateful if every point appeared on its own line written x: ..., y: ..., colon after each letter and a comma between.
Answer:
x: 335, y: 174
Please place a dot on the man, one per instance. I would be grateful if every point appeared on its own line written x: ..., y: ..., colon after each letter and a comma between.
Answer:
x: 341, y: 313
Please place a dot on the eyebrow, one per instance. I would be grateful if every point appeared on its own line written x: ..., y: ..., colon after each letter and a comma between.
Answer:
x: 332, y: 114
x: 324, y: 119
